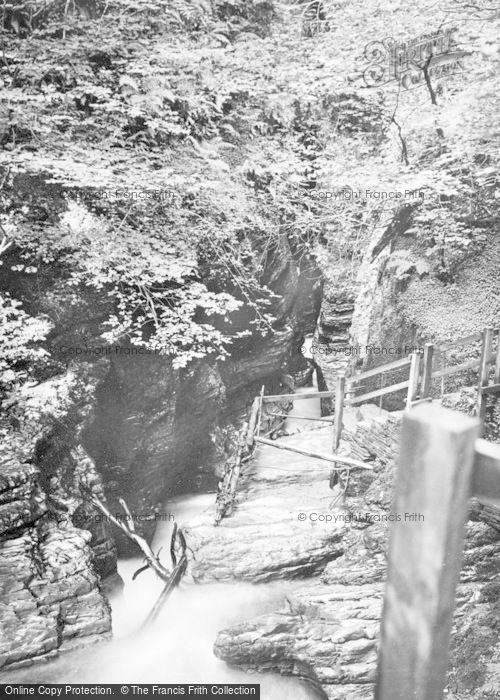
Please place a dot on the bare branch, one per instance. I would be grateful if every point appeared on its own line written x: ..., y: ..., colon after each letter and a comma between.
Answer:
x: 175, y: 577
x: 4, y: 245
x: 178, y: 549
x: 128, y: 528
x: 130, y: 519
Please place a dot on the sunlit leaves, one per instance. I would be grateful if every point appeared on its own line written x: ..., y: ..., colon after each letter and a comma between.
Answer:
x: 19, y: 334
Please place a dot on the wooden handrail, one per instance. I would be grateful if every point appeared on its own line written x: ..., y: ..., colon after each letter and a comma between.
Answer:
x: 344, y: 387
x: 296, y: 397
x: 381, y: 369
x: 491, y: 389
x: 461, y: 341
x: 353, y: 463
x: 492, y: 358
x: 448, y: 371
x: 287, y: 415
x: 403, y: 362
x: 378, y: 392
x: 226, y: 491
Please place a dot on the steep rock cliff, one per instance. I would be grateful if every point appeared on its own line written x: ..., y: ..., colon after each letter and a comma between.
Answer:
x: 53, y: 549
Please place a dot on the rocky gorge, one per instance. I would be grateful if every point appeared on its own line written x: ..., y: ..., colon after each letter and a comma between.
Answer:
x: 122, y: 425
x: 165, y: 252
x: 127, y: 424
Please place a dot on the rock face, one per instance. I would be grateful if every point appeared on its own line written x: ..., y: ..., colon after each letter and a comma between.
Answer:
x: 334, y: 323
x: 151, y: 430
x: 327, y: 632
x: 49, y: 587
x: 52, y: 550
x: 328, y: 635
x: 159, y: 431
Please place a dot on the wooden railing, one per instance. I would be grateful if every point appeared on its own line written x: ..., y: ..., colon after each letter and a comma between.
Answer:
x: 249, y: 437
x: 422, y: 371
x: 442, y: 463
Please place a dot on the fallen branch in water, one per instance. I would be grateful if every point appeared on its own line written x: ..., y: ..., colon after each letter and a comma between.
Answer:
x: 175, y: 577
x: 128, y: 528
x: 177, y: 543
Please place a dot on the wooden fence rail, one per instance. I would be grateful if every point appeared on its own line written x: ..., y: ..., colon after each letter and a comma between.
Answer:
x: 387, y: 367
x: 441, y: 464
x: 467, y: 340
x: 347, y: 461
x: 298, y: 397
x: 418, y: 389
x: 422, y: 371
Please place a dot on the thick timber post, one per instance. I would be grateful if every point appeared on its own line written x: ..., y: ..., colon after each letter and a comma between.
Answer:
x: 430, y: 509
x: 427, y: 371
x: 486, y: 346
x: 497, y: 361
x: 414, y: 377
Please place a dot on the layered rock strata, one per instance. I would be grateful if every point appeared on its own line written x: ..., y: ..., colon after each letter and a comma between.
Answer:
x: 50, y: 599
x: 53, y: 548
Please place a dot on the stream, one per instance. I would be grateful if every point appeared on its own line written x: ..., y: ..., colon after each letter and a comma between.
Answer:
x: 177, y: 648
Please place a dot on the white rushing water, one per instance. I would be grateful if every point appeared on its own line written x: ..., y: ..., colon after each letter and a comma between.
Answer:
x: 178, y: 647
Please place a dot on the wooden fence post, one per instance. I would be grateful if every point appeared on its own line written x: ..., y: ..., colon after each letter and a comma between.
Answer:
x: 487, y: 342
x: 414, y: 377
x: 497, y: 363
x: 259, y: 415
x: 427, y: 370
x: 443, y: 367
x: 254, y: 414
x: 339, y: 410
x: 430, y: 510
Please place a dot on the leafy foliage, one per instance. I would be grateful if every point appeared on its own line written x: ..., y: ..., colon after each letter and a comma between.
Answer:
x: 19, y: 334
x: 244, y: 121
